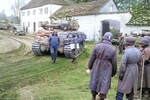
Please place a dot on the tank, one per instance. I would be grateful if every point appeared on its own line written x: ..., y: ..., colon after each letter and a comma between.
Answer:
x: 4, y: 25
x: 71, y: 40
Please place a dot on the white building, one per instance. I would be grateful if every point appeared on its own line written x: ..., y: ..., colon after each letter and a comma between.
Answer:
x: 39, y: 11
x: 95, y: 18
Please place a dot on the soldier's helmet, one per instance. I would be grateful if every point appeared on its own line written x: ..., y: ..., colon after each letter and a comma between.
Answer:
x: 144, y: 41
x: 147, y: 37
x: 108, y: 36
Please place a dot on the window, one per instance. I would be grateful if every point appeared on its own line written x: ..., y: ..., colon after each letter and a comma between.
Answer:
x: 41, y: 11
x: 23, y: 13
x: 46, y: 10
x: 28, y: 24
x: 39, y: 24
x: 28, y: 13
x: 34, y: 12
x: 111, y: 7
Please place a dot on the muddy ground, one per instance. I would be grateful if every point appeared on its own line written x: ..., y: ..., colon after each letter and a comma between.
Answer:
x: 12, y: 45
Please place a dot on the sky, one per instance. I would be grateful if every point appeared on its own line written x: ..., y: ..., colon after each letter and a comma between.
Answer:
x: 6, y: 5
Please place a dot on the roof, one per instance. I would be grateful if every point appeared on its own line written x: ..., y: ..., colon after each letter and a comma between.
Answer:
x: 38, y: 3
x: 88, y: 8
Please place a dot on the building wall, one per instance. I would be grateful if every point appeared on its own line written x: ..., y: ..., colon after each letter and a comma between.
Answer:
x: 87, y: 25
x: 28, y: 20
x: 137, y: 29
x: 109, y: 7
x: 92, y: 25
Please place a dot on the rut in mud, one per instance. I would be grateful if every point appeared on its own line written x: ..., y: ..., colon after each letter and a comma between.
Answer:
x: 15, y: 48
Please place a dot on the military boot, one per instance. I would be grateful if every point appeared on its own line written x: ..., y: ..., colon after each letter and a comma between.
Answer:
x: 54, y: 60
x: 74, y: 60
x: 143, y: 93
x: 148, y: 92
x: 94, y: 93
x: 52, y: 57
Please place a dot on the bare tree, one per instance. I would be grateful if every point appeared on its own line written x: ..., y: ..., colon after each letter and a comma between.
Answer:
x: 15, y: 8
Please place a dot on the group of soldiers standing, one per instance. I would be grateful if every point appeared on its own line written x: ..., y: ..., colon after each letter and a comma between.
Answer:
x: 134, y: 62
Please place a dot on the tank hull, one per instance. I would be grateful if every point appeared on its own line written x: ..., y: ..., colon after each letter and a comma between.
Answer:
x: 71, y: 49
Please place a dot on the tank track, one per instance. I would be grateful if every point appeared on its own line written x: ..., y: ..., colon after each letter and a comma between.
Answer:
x: 68, y: 52
x: 72, y: 53
x: 36, y: 48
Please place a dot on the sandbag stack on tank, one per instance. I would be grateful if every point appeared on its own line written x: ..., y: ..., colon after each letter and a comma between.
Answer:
x: 74, y: 25
x: 42, y: 40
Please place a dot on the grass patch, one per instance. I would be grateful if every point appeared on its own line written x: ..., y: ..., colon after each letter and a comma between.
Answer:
x: 46, y: 81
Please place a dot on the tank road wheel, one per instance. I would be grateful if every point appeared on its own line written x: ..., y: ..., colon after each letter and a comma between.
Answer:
x: 36, y: 48
x: 79, y: 50
x: 67, y: 51
x: 82, y: 48
x: 72, y: 53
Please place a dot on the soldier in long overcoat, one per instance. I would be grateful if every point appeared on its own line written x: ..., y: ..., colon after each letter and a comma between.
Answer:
x: 144, y: 43
x: 128, y: 74
x: 103, y: 66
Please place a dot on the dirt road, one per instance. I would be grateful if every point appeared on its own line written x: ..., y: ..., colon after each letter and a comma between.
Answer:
x: 12, y: 45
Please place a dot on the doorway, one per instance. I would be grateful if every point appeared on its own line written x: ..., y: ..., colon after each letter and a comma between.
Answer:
x: 110, y: 25
x: 105, y: 27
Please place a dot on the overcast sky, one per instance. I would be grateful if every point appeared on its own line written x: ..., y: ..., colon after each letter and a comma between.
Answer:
x: 5, y: 5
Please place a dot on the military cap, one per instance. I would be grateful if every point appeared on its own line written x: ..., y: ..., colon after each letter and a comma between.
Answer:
x: 130, y: 40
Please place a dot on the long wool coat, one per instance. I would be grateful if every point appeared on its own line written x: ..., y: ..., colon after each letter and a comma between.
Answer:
x: 102, y: 61
x: 129, y: 70
x: 146, y: 75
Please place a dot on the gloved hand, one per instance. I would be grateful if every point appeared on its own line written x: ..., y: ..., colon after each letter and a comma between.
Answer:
x: 113, y: 73
x: 121, y: 78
